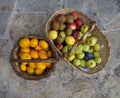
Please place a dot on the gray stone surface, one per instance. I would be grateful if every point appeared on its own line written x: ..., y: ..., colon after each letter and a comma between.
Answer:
x: 5, y: 14
x: 64, y: 82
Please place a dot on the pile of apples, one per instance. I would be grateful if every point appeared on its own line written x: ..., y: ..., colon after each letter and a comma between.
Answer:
x: 87, y: 54
x: 66, y: 30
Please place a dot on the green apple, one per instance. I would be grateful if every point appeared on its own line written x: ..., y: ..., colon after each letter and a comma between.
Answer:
x: 71, y: 57
x: 98, y: 60
x: 62, y: 34
x: 84, y: 28
x: 53, y: 34
x: 69, y: 40
x: 81, y: 35
x: 96, y: 54
x: 97, y: 47
x: 65, y: 49
x: 80, y: 55
x: 76, y: 62
x: 82, y: 63
x: 86, y: 47
x: 91, y: 41
x: 91, y: 50
x: 79, y: 49
x: 91, y: 63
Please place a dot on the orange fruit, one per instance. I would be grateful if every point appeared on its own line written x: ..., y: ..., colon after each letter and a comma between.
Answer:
x: 24, y: 43
x: 38, y: 71
x: 34, y: 42
x: 30, y: 70
x: 49, y: 53
x: 49, y: 64
x: 44, y: 44
x: 26, y: 50
x: 25, y: 56
x: 37, y: 48
x: 24, y: 63
x: 32, y: 64
x: 43, y: 54
x: 41, y: 65
x: 22, y: 67
x: 34, y: 54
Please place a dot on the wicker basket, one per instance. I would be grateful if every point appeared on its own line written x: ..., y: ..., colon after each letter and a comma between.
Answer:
x: 104, y: 53
x: 15, y: 60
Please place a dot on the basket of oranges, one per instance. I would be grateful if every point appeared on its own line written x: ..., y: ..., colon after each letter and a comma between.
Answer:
x: 78, y: 40
x: 33, y: 57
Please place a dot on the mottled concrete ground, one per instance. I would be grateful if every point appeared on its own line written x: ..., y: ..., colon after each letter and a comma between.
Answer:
x: 64, y: 82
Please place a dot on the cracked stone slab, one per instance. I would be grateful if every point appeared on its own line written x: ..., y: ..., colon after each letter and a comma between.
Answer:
x: 113, y: 38
x: 45, y: 6
x: 5, y: 14
x: 80, y: 89
x: 107, y: 9
x: 114, y: 23
x: 111, y: 87
x: 89, y: 9
x: 76, y: 4
x: 24, y: 24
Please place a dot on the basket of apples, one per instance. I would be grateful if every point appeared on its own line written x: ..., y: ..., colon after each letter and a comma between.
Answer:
x: 78, y: 40
x: 33, y: 57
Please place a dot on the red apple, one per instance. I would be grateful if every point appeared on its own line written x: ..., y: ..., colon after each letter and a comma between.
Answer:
x: 61, y: 15
x: 59, y: 46
x: 76, y: 34
x: 72, y: 26
x: 53, y: 21
x: 79, y: 22
x: 75, y: 15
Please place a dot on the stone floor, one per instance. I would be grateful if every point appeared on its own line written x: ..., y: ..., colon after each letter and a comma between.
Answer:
x: 64, y: 82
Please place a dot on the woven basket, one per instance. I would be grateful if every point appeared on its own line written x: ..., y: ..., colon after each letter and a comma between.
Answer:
x: 104, y: 53
x: 15, y: 60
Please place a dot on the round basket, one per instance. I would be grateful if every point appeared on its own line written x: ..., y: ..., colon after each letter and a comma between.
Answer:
x: 15, y: 60
x: 104, y: 53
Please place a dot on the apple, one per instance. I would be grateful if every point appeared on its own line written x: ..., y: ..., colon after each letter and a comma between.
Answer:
x: 76, y: 62
x: 59, y: 46
x: 65, y: 49
x: 75, y: 15
x: 79, y: 49
x: 97, y: 47
x: 76, y: 34
x: 84, y: 28
x: 91, y: 63
x: 91, y: 41
x: 71, y: 57
x: 98, y: 60
x: 79, y: 22
x: 86, y: 47
x: 81, y: 35
x: 91, y: 50
x: 53, y: 34
x: 69, y: 40
x: 82, y: 63
x: 72, y: 26
x: 62, y: 34
x: 80, y: 55
x: 96, y: 54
